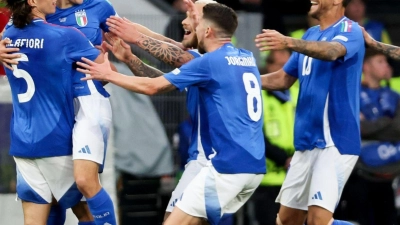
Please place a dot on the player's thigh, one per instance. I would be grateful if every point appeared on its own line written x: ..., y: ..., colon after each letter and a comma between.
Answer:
x: 59, y: 174
x: 32, y: 185
x: 248, y: 187
x: 192, y: 168
x: 295, y: 188
x: 210, y: 192
x: 35, y: 213
x: 92, y: 126
x: 330, y: 173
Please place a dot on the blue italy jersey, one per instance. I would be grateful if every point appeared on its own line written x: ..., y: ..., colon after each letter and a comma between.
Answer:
x: 328, y: 108
x: 200, y: 144
x: 378, y: 103
x: 90, y: 18
x: 41, y: 85
x: 228, y: 82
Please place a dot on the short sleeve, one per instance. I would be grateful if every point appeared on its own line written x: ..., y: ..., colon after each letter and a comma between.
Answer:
x: 105, y: 11
x: 79, y: 46
x: 193, y: 73
x: 291, y: 66
x: 351, y: 37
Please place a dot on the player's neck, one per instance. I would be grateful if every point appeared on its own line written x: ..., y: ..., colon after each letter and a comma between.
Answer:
x: 215, y: 44
x: 63, y: 4
x: 38, y: 15
x: 372, y: 83
x: 330, y: 18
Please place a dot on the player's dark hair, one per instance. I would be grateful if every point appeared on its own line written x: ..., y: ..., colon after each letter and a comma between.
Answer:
x: 20, y: 11
x: 345, y: 3
x: 222, y: 16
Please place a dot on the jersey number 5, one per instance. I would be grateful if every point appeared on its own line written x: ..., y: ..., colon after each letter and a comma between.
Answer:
x: 19, y: 73
x: 253, y: 93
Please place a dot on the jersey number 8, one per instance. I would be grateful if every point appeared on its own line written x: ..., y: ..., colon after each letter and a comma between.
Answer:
x: 253, y: 92
x: 19, y: 73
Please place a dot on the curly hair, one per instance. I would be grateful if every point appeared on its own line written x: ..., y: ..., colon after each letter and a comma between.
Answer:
x: 20, y: 11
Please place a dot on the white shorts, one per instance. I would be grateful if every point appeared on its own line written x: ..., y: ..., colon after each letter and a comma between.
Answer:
x: 211, y: 194
x: 192, y: 168
x: 41, y: 178
x: 92, y: 127
x: 316, y: 177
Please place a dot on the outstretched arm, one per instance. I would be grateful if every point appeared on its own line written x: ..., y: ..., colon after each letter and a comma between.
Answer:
x: 142, y: 85
x: 163, y: 51
x: 389, y: 50
x: 278, y: 80
x: 122, y: 51
x: 324, y: 50
x: 146, y: 31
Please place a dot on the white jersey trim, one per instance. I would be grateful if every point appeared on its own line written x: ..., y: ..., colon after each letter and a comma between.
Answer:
x: 327, y: 128
x: 201, y: 156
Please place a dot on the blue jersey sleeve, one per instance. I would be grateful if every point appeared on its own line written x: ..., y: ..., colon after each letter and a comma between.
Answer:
x: 79, y: 46
x: 291, y: 66
x: 105, y: 11
x: 350, y: 36
x: 193, y: 73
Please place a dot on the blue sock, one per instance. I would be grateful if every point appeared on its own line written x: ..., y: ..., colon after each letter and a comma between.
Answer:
x: 87, y: 223
x: 57, y: 215
x: 341, y: 222
x: 102, y: 208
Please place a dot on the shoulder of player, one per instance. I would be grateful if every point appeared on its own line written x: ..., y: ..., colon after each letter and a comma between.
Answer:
x: 347, y: 25
x: 98, y: 3
x: 70, y: 32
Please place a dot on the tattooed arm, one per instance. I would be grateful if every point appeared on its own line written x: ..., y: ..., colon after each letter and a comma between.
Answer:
x: 164, y: 51
x: 146, y: 31
x: 324, y: 50
x: 140, y: 69
x: 389, y: 50
x: 122, y: 51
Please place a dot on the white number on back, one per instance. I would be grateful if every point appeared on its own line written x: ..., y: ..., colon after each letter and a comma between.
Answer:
x: 307, y: 65
x: 253, y: 92
x: 20, y: 73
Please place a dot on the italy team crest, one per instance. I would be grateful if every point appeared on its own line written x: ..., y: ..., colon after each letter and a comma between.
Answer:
x: 81, y: 18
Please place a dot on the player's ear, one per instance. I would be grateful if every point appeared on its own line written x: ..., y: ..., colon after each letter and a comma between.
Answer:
x: 337, y: 2
x: 32, y: 2
x: 208, y: 31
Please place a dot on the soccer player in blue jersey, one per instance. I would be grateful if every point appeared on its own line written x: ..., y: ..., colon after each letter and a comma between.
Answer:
x: 199, y: 148
x: 228, y: 83
x: 91, y: 129
x: 328, y: 63
x: 43, y: 116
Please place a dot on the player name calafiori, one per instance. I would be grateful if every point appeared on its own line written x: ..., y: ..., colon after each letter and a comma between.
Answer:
x: 27, y: 43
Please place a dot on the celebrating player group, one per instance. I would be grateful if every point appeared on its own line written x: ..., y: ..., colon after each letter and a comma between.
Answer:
x: 62, y: 114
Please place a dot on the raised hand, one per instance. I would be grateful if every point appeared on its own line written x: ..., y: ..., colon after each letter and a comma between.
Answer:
x: 367, y: 38
x: 6, y: 57
x: 95, y: 70
x: 123, y: 28
x: 194, y: 14
x: 271, y: 40
x: 121, y: 50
